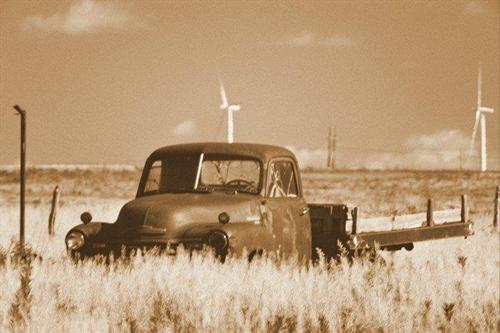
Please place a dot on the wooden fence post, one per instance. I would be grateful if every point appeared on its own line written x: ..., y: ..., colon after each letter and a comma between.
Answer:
x: 430, y: 213
x: 496, y: 213
x: 53, y: 210
x: 354, y: 214
x: 464, y: 213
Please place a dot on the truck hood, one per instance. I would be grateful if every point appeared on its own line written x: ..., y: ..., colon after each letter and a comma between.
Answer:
x: 175, y: 213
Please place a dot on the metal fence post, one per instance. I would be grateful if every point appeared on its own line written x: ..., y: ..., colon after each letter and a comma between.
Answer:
x: 22, y: 113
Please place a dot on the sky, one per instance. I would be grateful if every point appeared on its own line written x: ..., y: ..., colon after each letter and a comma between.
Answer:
x: 110, y: 81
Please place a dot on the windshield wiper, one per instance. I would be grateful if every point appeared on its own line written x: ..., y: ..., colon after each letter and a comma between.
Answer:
x: 199, y: 189
x: 249, y: 192
x: 236, y: 191
x: 204, y: 189
x: 178, y: 190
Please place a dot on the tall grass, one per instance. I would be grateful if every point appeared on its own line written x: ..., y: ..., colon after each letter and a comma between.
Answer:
x: 447, y: 285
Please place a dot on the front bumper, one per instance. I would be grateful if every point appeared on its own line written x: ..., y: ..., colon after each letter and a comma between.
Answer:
x: 127, y: 247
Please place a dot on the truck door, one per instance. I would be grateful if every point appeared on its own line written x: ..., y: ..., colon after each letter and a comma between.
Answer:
x: 290, y: 223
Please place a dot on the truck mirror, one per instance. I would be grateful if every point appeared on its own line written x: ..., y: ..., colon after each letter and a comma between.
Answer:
x: 86, y: 217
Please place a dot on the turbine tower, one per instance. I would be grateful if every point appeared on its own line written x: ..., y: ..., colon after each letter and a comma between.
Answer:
x: 230, y: 108
x: 480, y: 118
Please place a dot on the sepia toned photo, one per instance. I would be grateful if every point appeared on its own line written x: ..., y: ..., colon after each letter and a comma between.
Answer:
x: 249, y: 166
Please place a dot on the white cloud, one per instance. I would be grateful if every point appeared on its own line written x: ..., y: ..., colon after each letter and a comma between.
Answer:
x: 445, y: 149
x: 474, y: 8
x: 86, y: 16
x: 307, y: 38
x: 185, y: 129
x: 338, y: 41
x: 315, y: 158
x: 449, y: 139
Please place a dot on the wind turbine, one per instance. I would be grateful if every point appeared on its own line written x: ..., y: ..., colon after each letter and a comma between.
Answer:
x: 230, y: 108
x: 480, y: 118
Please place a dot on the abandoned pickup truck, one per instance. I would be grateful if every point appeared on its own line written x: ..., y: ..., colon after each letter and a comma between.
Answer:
x: 234, y: 198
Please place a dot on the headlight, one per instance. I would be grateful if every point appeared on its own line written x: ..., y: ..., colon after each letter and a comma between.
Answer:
x: 75, y: 240
x: 218, y: 241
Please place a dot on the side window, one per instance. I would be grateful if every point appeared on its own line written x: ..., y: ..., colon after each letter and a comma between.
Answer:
x: 282, y: 181
x: 154, y: 178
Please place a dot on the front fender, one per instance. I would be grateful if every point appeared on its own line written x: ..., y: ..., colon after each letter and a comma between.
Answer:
x: 94, y: 231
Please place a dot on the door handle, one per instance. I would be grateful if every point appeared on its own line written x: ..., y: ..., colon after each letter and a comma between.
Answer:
x: 304, y: 211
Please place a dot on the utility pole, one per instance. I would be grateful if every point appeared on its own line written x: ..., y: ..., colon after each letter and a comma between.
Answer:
x: 22, y: 113
x: 332, y: 146
x: 334, y: 149
x: 329, y: 157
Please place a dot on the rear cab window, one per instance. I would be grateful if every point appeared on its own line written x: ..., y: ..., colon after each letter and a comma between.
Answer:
x: 282, y: 179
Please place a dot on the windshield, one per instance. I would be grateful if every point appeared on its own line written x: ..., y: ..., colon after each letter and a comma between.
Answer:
x: 202, y: 173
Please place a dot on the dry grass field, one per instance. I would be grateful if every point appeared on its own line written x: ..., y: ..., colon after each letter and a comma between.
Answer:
x: 448, y: 285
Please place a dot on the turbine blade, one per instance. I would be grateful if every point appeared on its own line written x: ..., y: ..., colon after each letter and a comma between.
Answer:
x: 223, y: 96
x: 474, y: 131
x: 487, y: 110
x: 479, y: 79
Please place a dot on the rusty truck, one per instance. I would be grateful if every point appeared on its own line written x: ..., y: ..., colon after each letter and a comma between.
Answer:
x: 236, y: 199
